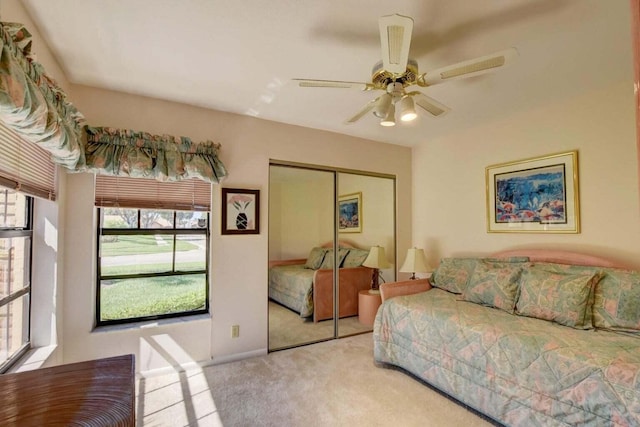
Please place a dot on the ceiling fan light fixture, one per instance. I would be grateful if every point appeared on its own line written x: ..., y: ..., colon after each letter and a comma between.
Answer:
x: 396, y: 72
x: 407, y: 109
x: 390, y: 119
x: 382, y: 106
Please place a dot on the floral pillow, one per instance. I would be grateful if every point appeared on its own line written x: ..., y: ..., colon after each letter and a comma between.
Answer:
x: 453, y: 274
x: 327, y: 263
x: 617, y: 301
x: 314, y: 261
x: 494, y: 286
x: 560, y: 297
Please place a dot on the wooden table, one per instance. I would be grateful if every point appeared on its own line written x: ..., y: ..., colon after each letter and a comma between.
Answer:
x: 94, y: 393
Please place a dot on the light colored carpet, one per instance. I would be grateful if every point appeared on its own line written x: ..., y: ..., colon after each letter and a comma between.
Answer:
x: 287, y: 328
x: 333, y: 383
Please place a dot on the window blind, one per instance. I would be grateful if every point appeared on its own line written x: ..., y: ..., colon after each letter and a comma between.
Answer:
x: 142, y: 193
x: 26, y: 167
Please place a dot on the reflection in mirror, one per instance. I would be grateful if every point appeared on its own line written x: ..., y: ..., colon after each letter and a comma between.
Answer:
x: 302, y: 256
x: 376, y: 227
x: 301, y: 219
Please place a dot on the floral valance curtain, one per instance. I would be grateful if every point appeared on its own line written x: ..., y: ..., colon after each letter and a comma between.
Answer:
x: 36, y: 109
x: 32, y: 104
x: 142, y: 155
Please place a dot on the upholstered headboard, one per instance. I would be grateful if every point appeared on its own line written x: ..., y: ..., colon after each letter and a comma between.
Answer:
x: 559, y: 257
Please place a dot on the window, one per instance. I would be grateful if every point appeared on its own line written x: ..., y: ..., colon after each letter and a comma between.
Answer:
x: 151, y: 264
x: 16, y: 234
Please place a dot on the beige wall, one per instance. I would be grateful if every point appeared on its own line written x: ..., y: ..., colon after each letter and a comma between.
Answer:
x: 450, y: 207
x: 595, y: 117
x: 239, y: 263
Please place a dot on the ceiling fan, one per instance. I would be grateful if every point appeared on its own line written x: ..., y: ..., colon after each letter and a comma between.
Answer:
x: 396, y: 72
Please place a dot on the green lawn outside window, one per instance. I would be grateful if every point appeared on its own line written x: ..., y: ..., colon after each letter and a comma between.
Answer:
x: 142, y: 276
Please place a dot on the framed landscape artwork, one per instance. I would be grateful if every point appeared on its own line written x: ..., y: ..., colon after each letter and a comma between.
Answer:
x: 350, y: 213
x: 538, y: 195
x: 240, y: 211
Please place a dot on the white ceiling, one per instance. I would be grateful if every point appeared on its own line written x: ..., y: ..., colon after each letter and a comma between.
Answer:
x: 240, y: 56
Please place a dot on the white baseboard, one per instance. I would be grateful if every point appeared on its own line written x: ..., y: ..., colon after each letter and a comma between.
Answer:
x: 191, y: 366
x: 166, y: 370
x: 235, y: 357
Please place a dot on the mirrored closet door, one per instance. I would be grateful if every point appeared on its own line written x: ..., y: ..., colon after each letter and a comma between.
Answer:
x: 319, y: 219
x: 301, y: 230
x: 372, y: 200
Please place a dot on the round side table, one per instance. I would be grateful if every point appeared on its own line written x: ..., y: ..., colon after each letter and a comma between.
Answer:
x: 368, y: 304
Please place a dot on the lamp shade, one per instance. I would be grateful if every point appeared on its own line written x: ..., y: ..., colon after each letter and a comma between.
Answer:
x: 376, y: 258
x: 407, y: 109
x: 390, y: 118
x: 382, y: 106
x: 414, y: 262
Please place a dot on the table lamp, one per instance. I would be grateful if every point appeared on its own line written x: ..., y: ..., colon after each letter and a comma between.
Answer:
x: 414, y: 263
x: 376, y: 260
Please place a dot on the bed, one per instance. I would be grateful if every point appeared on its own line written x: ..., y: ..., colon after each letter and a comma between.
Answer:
x: 521, y: 366
x: 305, y: 285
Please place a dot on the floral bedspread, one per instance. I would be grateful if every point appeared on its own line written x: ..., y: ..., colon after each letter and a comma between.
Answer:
x: 292, y: 286
x: 515, y: 369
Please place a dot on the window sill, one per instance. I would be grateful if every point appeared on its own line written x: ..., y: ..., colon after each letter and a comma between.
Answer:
x: 35, y: 358
x: 150, y: 324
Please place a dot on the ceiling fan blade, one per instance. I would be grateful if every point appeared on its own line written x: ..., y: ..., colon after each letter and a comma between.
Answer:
x: 470, y: 68
x: 368, y: 107
x: 333, y: 84
x: 430, y: 105
x: 395, y: 40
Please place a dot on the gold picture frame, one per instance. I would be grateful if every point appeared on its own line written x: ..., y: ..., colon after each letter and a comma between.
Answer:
x: 535, y: 195
x: 350, y: 213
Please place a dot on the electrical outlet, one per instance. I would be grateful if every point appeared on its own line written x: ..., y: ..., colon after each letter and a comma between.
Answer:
x: 235, y: 331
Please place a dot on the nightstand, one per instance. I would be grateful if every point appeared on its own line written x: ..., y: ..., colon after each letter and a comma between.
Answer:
x: 368, y: 304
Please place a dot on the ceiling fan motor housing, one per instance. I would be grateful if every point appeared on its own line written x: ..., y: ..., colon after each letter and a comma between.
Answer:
x: 381, y: 78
